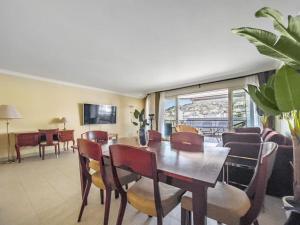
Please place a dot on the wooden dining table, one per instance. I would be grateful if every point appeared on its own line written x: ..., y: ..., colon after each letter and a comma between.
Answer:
x: 190, y: 171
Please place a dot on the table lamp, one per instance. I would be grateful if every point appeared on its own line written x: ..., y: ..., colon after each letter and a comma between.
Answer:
x: 64, y: 121
x: 8, y: 112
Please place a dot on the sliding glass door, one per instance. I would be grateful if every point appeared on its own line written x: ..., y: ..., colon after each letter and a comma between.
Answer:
x: 212, y: 112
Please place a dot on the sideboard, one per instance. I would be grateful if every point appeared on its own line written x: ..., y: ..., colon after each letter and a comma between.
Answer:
x: 32, y: 139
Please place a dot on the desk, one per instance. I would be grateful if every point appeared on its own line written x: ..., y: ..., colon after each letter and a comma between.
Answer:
x: 32, y: 139
x: 190, y: 171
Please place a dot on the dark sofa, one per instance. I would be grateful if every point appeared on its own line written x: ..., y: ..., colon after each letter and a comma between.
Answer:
x: 281, y: 181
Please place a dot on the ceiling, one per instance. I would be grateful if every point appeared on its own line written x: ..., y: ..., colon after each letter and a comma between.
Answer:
x: 132, y: 47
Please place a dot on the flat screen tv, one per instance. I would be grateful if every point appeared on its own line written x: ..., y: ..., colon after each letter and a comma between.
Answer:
x: 99, y: 114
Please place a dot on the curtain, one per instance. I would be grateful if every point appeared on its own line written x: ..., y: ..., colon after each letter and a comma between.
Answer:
x: 147, y: 107
x: 252, y: 114
x: 161, y: 112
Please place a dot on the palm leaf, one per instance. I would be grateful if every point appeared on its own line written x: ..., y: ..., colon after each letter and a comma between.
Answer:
x: 263, y: 103
x: 284, y: 49
x: 287, y: 89
x: 291, y: 32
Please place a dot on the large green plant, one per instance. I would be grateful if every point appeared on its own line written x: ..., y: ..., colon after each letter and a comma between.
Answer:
x: 281, y: 94
x: 140, y: 117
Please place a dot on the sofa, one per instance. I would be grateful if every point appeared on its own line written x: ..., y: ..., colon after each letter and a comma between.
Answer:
x: 247, y: 144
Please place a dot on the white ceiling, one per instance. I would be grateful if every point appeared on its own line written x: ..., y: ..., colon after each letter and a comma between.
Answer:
x: 132, y: 46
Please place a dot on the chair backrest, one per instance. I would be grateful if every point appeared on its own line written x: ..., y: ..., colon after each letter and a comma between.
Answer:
x: 154, y: 135
x: 185, y: 128
x: 265, y: 132
x: 88, y: 150
x: 187, y: 141
x: 96, y: 135
x: 240, y: 149
x: 255, y: 130
x: 258, y: 185
x: 136, y: 160
x: 48, y: 135
x: 240, y: 137
x: 275, y: 137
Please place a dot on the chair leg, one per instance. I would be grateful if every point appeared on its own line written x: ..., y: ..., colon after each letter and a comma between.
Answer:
x: 159, y: 220
x: 116, y: 194
x: 185, y: 217
x: 40, y: 153
x: 122, y: 209
x: 43, y: 152
x: 101, y: 196
x: 58, y: 149
x: 107, y: 206
x: 55, y: 149
x: 84, y: 200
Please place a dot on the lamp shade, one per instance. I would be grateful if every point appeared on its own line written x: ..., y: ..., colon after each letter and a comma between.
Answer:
x: 8, y: 112
x: 64, y: 120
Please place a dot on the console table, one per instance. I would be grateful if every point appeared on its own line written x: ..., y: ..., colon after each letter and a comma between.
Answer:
x: 32, y: 139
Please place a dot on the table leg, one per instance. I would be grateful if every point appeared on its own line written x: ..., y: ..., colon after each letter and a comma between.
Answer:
x: 199, y: 198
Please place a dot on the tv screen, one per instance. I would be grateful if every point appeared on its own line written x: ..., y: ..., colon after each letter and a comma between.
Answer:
x: 99, y: 114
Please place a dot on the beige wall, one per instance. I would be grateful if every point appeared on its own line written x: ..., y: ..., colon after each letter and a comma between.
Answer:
x: 40, y: 102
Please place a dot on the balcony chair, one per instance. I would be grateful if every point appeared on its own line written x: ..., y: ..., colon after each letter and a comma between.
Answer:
x: 187, y: 141
x: 147, y: 195
x: 102, y: 179
x: 48, y: 138
x: 232, y: 206
x: 186, y: 128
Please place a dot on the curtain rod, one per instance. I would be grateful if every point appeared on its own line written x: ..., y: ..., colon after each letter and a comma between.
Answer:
x: 211, y: 82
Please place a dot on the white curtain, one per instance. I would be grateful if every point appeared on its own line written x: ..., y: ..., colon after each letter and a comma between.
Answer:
x: 161, y: 112
x: 147, y: 107
x: 253, y: 119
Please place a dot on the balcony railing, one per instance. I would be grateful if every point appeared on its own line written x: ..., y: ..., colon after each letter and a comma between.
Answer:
x: 213, y: 127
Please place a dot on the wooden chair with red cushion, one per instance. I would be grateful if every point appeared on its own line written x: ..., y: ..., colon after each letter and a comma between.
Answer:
x: 230, y: 205
x: 187, y: 141
x: 103, y: 178
x: 147, y: 195
x: 47, y: 138
x: 154, y: 135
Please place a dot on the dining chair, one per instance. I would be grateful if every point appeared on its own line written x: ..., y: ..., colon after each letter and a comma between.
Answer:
x: 102, y: 179
x: 154, y: 135
x: 98, y: 136
x: 185, y: 128
x: 47, y: 138
x: 232, y: 206
x: 187, y: 141
x: 147, y: 195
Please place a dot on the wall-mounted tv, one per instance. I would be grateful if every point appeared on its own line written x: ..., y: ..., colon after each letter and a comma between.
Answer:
x: 99, y: 114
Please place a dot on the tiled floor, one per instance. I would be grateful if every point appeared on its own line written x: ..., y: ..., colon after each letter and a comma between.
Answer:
x: 47, y: 192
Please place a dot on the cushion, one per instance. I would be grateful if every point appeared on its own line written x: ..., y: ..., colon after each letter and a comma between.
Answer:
x: 125, y: 177
x: 93, y: 164
x: 225, y: 203
x: 141, y: 196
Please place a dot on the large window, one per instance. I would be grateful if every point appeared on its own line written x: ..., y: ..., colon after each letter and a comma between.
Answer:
x: 212, y: 112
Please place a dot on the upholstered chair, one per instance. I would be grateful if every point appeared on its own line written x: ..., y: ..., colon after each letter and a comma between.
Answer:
x: 232, y: 206
x: 147, y: 195
x: 102, y: 179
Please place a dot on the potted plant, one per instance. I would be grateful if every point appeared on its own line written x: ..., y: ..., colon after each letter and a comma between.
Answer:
x: 141, y: 123
x: 281, y: 94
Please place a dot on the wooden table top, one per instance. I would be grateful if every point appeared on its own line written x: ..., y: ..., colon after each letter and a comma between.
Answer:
x: 203, y: 167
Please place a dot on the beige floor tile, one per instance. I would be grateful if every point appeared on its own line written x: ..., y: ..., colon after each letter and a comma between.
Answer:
x: 47, y: 192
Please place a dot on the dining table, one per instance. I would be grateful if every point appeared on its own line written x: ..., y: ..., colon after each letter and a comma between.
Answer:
x: 193, y: 171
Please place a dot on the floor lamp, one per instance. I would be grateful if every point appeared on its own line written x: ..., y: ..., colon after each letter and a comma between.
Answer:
x: 8, y: 112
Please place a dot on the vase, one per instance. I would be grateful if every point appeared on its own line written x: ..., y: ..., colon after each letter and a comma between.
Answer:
x: 143, y: 137
x: 296, y: 165
x: 293, y: 210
